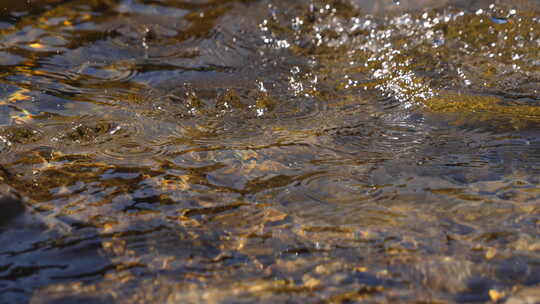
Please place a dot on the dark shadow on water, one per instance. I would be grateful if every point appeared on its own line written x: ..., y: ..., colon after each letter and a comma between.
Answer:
x: 37, y: 251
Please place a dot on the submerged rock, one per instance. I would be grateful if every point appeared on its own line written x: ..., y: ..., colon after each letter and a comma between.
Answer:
x: 37, y: 250
x: 11, y: 205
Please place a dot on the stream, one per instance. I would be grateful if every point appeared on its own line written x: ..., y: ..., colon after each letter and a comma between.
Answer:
x: 270, y: 151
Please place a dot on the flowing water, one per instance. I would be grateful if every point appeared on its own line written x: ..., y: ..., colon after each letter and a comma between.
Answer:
x: 266, y: 151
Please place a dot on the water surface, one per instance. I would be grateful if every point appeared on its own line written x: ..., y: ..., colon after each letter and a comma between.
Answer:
x: 271, y: 151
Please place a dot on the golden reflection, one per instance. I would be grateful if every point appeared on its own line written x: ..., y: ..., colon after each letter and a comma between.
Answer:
x: 483, y: 108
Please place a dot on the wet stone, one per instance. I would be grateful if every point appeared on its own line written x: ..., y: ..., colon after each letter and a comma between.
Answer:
x: 30, y: 241
x: 11, y: 204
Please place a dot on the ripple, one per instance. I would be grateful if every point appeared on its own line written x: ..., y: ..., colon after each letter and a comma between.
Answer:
x: 130, y: 151
x: 10, y: 59
x: 231, y: 115
x: 91, y: 131
x: 393, y: 139
x: 281, y: 104
x: 19, y: 138
x: 119, y: 137
x: 86, y: 73
x: 336, y: 199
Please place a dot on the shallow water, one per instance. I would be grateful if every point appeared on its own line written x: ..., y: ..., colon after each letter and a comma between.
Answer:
x: 270, y: 151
